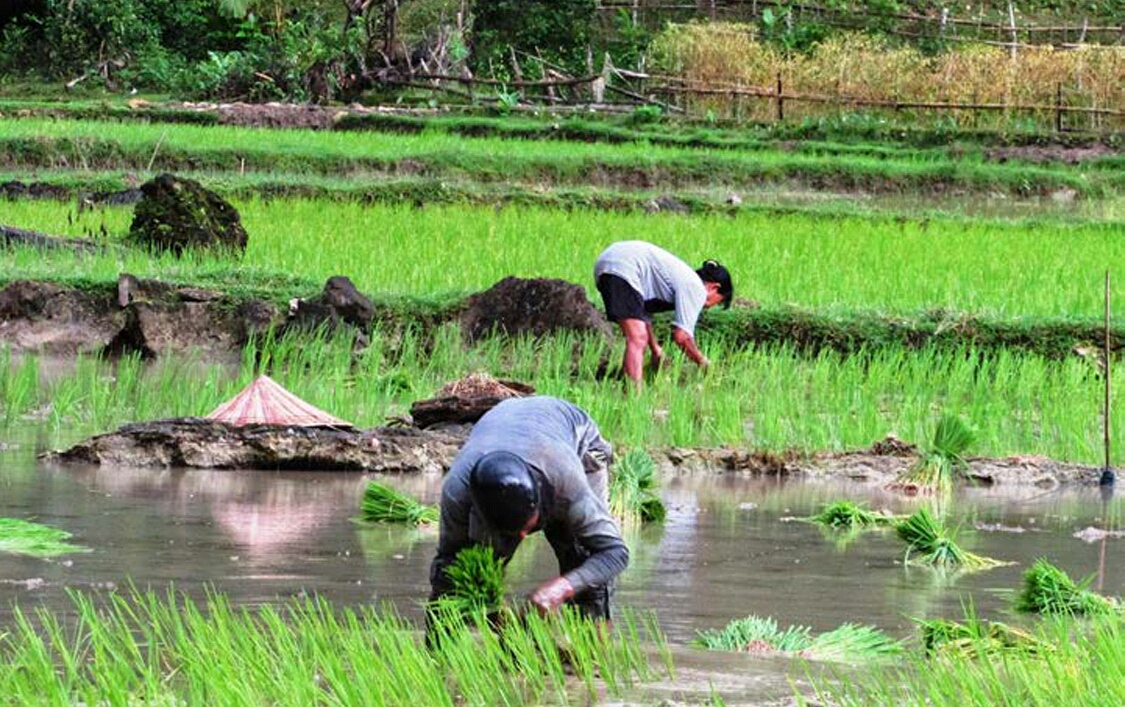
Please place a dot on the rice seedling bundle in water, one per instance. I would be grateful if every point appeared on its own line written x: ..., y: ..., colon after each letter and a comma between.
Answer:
x: 633, y: 491
x: 845, y: 515
x: 383, y: 504
x: 23, y: 537
x: 929, y: 542
x: 755, y: 634
x: 1049, y: 590
x: 943, y: 463
x: 976, y: 638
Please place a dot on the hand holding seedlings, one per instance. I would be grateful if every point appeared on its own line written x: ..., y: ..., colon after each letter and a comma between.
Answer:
x: 552, y: 594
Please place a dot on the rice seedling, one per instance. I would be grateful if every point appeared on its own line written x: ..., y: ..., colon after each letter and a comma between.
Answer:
x: 21, y: 537
x: 846, y: 515
x: 930, y: 543
x: 477, y: 578
x: 1049, y: 590
x: 896, y: 266
x: 1077, y: 664
x: 383, y: 504
x: 847, y: 643
x: 147, y: 648
x: 633, y: 489
x: 768, y: 398
x: 976, y: 638
x: 943, y: 463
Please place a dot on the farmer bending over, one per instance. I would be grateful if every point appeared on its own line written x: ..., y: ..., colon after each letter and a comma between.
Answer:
x: 533, y: 464
x: 637, y: 278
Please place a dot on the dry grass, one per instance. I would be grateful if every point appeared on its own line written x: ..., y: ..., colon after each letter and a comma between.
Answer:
x: 729, y: 55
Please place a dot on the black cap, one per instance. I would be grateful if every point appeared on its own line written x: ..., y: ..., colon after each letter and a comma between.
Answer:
x: 712, y: 271
x: 504, y: 491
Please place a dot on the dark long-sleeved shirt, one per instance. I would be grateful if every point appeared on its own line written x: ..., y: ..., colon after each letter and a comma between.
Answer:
x: 563, y: 444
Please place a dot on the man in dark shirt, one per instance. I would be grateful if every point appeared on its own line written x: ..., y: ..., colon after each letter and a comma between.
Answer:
x: 533, y: 464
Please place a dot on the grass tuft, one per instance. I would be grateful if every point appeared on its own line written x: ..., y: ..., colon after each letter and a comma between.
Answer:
x: 943, y: 463
x: 633, y: 489
x: 929, y: 542
x: 1049, y: 590
x: 23, y: 537
x: 383, y: 504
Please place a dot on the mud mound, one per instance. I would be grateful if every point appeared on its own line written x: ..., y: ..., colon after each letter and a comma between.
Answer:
x: 516, y: 307
x: 48, y: 318
x: 466, y: 400
x: 200, y: 443
x: 180, y: 214
x: 15, y: 189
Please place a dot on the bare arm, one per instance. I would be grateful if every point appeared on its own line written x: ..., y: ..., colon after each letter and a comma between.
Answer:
x: 687, y: 344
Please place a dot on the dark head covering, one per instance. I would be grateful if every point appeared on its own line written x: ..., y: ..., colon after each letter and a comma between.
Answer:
x: 504, y: 491
x: 713, y: 272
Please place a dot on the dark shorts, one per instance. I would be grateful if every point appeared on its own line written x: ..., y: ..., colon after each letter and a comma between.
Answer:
x: 623, y: 302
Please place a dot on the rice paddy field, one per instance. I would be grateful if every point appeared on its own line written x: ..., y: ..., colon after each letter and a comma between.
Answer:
x: 177, y: 586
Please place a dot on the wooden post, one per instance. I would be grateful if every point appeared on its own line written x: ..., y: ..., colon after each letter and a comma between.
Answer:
x: 780, y: 100
x: 1058, y: 107
x: 1012, y: 27
x: 1107, y: 370
x: 714, y: 14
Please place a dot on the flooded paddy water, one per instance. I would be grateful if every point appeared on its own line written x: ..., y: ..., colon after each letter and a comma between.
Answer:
x: 729, y: 547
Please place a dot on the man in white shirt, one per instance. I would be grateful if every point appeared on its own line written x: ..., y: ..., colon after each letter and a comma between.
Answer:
x: 636, y: 278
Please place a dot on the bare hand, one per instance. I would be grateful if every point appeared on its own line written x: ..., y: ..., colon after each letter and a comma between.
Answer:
x: 552, y: 594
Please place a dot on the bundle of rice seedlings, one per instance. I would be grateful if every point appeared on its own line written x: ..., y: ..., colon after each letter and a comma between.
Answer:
x: 23, y: 537
x: 939, y: 466
x: 849, y: 642
x: 477, y: 579
x: 383, y: 504
x: 930, y: 543
x: 633, y: 489
x: 1049, y: 590
x: 755, y: 634
x: 854, y: 643
x: 976, y: 638
x: 845, y: 515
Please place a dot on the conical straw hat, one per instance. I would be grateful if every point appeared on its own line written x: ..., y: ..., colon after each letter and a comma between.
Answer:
x: 264, y: 402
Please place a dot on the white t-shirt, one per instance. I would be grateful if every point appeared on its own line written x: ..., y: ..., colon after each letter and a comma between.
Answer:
x: 657, y: 275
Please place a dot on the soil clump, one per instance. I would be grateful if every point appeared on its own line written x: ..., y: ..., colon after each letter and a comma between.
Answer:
x: 536, y: 307
x: 179, y: 214
x: 465, y: 401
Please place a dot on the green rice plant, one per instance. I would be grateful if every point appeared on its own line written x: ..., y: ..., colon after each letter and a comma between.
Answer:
x: 846, y: 515
x: 943, y: 463
x: 21, y: 537
x: 1049, y: 590
x: 930, y: 543
x: 1081, y: 664
x: 976, y: 638
x: 633, y: 489
x: 477, y: 579
x: 146, y: 648
x: 383, y: 504
x: 847, y: 643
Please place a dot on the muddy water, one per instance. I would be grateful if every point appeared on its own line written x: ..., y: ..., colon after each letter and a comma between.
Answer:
x: 728, y: 549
